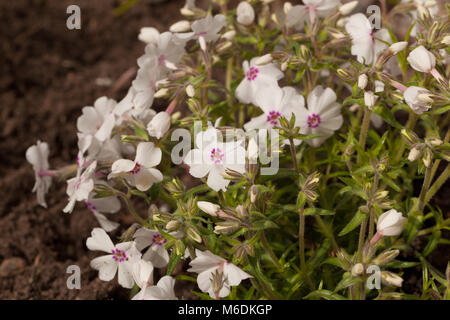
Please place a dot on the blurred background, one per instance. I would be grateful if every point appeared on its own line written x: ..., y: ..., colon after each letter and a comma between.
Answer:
x: 48, y: 73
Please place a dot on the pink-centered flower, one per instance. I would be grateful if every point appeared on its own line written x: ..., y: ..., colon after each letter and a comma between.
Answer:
x: 79, y: 187
x: 207, y: 263
x: 323, y: 115
x: 155, y: 242
x: 120, y: 258
x: 212, y: 157
x: 140, y: 172
x: 257, y: 78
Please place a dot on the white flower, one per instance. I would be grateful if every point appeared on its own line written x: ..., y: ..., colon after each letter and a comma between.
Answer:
x: 245, y: 13
x: 321, y: 7
x: 364, y: 44
x: 140, y: 172
x: 398, y: 46
x: 213, y: 156
x: 120, y: 257
x: 98, y: 121
x: 323, y: 115
x: 432, y: 7
x: 168, y: 51
x: 180, y: 26
x: 295, y: 17
x: 156, y: 252
x: 208, y: 207
x: 413, y: 102
x: 145, y: 84
x: 98, y: 206
x: 37, y: 156
x: 164, y: 290
x: 148, y: 35
x: 276, y: 103
x: 143, y: 274
x: 421, y: 59
x: 206, y: 29
x: 257, y: 78
x: 207, y: 263
x: 390, y: 223
x: 127, y: 107
x: 79, y: 187
x: 159, y: 125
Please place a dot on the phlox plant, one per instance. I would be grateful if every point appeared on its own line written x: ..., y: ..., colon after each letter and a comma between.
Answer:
x: 355, y: 119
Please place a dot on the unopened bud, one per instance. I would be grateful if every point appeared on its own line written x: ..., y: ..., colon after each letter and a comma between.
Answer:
x: 187, y: 12
x: 263, y: 60
x: 254, y: 193
x: 208, y: 207
x: 391, y: 279
x: 241, y: 212
x: 369, y: 99
x: 398, y: 46
x: 347, y: 8
x: 436, y: 142
x: 425, y: 97
x: 229, y: 35
x: 193, y: 234
x: 427, y: 157
x: 357, y: 270
x: 161, y: 93
x: 172, y: 225
x: 190, y: 91
x: 362, y: 81
x: 180, y: 26
x: 446, y: 40
x: 386, y: 257
x: 414, y: 154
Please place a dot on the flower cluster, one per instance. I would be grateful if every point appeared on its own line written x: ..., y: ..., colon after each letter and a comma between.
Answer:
x: 316, y: 77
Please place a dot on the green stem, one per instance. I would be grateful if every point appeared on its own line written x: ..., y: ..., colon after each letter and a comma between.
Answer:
x: 293, y: 154
x: 437, y: 184
x: 301, y: 244
x: 131, y: 209
x: 269, y: 250
x: 425, y: 186
x: 412, y: 120
x: 364, y: 130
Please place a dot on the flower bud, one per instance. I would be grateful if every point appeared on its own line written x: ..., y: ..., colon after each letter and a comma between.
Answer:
x: 187, y: 12
x: 252, y: 151
x: 286, y: 7
x: 229, y: 35
x: 436, y: 142
x: 398, y: 46
x: 172, y: 225
x: 224, y: 46
x: 410, y: 136
x: 390, y: 223
x: 245, y: 13
x: 414, y: 154
x: 241, y: 212
x: 357, y: 270
x: 386, y: 257
x: 161, y: 93
x: 391, y: 279
x: 190, y: 91
x: 193, y: 234
x: 148, y: 35
x: 369, y: 99
x: 348, y: 7
x: 427, y: 157
x: 345, y: 75
x: 446, y: 40
x: 421, y: 59
x: 362, y: 81
x: 254, y: 193
x: 180, y: 248
x: 263, y: 60
x: 208, y: 207
x: 159, y: 125
x: 180, y: 26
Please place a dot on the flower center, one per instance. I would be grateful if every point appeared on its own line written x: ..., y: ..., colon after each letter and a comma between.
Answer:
x: 119, y: 255
x: 313, y: 120
x: 158, y: 239
x: 372, y: 36
x: 91, y: 206
x: 252, y: 73
x: 161, y: 60
x: 216, y: 155
x: 273, y: 116
x: 136, y: 169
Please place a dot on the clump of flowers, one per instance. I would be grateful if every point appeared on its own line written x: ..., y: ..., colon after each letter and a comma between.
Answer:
x: 313, y: 142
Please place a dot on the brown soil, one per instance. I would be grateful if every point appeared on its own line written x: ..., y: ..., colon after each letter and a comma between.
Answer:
x: 48, y: 73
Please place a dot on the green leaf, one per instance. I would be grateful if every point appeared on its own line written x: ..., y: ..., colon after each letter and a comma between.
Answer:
x: 347, y: 282
x: 318, y: 211
x: 140, y: 132
x: 263, y: 224
x: 357, y: 219
x: 172, y: 263
x: 324, y: 294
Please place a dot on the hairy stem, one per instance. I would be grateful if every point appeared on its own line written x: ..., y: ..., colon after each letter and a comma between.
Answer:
x: 364, y: 130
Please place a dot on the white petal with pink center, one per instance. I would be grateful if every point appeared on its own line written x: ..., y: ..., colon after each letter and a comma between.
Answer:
x: 121, y: 258
x: 206, y: 264
x: 323, y: 115
x: 37, y: 156
x: 79, y: 187
x: 140, y: 172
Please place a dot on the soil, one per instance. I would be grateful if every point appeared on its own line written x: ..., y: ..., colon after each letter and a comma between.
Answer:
x: 48, y: 73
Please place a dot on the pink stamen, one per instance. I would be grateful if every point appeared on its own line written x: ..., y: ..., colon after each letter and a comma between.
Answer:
x: 216, y: 155
x: 252, y: 73
x: 161, y: 60
x: 273, y: 116
x: 158, y: 239
x: 313, y: 120
x: 91, y: 206
x: 136, y: 169
x: 119, y: 255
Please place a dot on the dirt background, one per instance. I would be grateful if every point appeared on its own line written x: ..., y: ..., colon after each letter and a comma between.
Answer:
x: 48, y: 73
